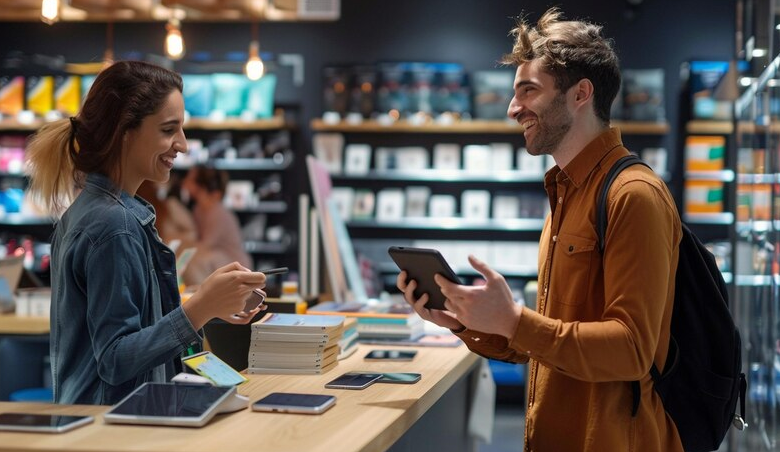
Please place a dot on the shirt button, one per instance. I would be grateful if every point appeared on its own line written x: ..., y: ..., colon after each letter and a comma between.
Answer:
x: 555, y: 238
x: 560, y: 200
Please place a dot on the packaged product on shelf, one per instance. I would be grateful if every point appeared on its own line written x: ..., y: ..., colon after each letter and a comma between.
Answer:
x: 229, y: 94
x: 363, y: 91
x: 11, y: 95
x: 67, y: 94
x: 492, y: 93
x: 643, y: 95
x: 335, y: 90
x: 260, y: 97
x: 475, y: 204
x: 198, y: 94
x: 39, y: 94
x: 703, y: 196
x: 451, y: 92
x: 390, y: 204
x: 446, y: 156
x: 704, y: 153
x: 417, y: 201
x: 357, y: 159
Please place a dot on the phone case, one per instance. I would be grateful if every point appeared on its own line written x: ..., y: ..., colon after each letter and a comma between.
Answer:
x: 421, y: 264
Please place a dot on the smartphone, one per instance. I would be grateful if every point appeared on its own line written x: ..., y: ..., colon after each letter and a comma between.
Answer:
x: 208, y: 365
x: 256, y: 298
x: 420, y: 265
x: 400, y: 377
x: 353, y: 380
x: 288, y: 402
x: 45, y: 423
x: 391, y: 355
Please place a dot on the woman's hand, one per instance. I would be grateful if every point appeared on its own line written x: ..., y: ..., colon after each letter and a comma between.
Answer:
x: 223, y: 294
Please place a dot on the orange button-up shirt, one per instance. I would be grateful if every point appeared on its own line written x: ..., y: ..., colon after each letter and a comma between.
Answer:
x: 600, y: 321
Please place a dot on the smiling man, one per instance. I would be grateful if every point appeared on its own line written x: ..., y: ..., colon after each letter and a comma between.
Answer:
x: 601, y: 320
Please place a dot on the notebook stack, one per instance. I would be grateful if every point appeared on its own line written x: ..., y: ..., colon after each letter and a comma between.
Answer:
x: 295, y: 344
x: 349, y: 340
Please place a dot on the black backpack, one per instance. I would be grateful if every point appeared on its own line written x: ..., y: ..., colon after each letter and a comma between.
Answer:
x: 702, y: 377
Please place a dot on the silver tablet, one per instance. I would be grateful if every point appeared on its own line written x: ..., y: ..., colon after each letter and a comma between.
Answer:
x: 44, y: 423
x: 170, y: 404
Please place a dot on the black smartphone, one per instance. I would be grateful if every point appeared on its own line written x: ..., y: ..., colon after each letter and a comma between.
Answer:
x: 400, y: 377
x: 256, y: 298
x: 421, y: 264
x: 391, y: 355
x: 289, y: 402
x: 45, y: 423
x: 353, y: 380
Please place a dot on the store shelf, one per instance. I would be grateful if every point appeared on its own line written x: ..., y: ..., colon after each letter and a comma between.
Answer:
x: 453, y: 223
x: 753, y: 179
x: 475, y: 126
x: 756, y: 280
x: 506, y: 271
x: 724, y: 218
x: 436, y: 175
x: 745, y: 227
x: 239, y: 164
x: 265, y: 247
x: 18, y: 219
x: 263, y: 207
x: 276, y: 122
x: 721, y: 176
x: 704, y: 127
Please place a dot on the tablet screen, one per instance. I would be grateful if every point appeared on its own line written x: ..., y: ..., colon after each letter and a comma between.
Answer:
x: 171, y: 400
x: 41, y: 422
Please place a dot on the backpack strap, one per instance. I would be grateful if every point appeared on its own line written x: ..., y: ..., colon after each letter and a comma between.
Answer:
x: 601, y: 230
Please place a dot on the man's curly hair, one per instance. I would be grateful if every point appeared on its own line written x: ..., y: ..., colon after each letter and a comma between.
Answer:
x: 570, y: 51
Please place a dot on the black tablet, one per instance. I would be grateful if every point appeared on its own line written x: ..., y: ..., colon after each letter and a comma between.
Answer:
x: 170, y: 404
x: 420, y: 265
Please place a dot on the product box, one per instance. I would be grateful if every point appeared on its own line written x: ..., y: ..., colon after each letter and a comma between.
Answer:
x: 11, y: 95
x: 336, y: 81
x: 362, y: 91
x: 260, y: 96
x: 492, y: 93
x: 198, y: 94
x: 67, y: 94
x: 643, y: 95
x: 39, y: 94
x: 393, y: 90
x: 706, y: 79
x: 229, y: 93
x: 702, y: 196
x: 420, y: 87
x: 704, y: 153
x: 451, y: 90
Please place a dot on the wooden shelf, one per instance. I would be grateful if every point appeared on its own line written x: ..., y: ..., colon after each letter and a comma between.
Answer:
x: 276, y: 122
x: 475, y: 126
x: 436, y: 175
x: 710, y: 127
x: 453, y: 224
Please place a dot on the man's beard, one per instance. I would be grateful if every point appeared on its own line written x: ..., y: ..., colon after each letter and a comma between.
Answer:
x: 553, y: 123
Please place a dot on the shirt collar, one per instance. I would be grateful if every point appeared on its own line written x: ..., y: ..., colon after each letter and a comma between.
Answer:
x: 583, y: 164
x: 137, y: 206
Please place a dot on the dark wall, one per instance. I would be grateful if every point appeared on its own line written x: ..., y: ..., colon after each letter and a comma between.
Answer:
x: 656, y: 33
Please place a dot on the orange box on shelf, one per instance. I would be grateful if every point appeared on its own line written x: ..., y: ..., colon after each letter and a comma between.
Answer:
x: 703, y: 196
x: 704, y: 153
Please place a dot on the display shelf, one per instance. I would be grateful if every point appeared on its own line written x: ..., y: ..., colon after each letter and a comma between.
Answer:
x: 263, y: 207
x: 466, y: 127
x: 746, y: 227
x: 18, y: 219
x: 507, y: 271
x: 244, y: 164
x: 436, y: 175
x: 259, y: 247
x: 276, y: 122
x: 753, y: 179
x: 724, y: 218
x: 453, y: 223
x: 721, y: 176
x: 703, y: 127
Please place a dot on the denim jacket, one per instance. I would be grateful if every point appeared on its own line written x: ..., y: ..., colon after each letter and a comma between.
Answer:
x: 116, y: 316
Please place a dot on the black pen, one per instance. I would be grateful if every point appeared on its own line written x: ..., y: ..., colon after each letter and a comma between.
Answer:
x: 274, y: 271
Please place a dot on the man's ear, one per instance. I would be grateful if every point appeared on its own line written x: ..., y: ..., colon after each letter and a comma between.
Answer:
x: 583, y: 91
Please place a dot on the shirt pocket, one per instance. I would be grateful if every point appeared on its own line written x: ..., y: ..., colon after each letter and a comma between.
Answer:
x: 572, y: 269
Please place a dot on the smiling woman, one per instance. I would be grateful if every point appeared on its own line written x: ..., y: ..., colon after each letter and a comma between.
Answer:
x: 117, y: 319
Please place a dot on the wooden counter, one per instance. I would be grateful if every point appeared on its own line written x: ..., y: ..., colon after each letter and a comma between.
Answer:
x: 13, y: 324
x: 373, y: 419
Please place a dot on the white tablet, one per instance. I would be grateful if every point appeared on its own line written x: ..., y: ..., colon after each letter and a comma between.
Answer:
x: 44, y: 423
x: 171, y: 404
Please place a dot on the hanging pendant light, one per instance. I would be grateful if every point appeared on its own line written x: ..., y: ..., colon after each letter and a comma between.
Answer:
x: 174, y: 42
x: 254, y: 68
x: 50, y: 11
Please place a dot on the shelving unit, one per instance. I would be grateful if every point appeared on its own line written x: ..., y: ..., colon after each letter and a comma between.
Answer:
x: 268, y: 253
x: 371, y: 236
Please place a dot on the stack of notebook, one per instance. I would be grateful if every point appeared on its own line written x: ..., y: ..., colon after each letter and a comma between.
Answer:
x: 295, y: 343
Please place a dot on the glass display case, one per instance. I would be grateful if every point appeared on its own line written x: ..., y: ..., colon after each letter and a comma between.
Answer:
x: 756, y: 303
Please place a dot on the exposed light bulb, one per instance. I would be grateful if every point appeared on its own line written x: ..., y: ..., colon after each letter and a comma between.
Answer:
x: 50, y: 11
x: 174, y: 42
x: 254, y: 68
